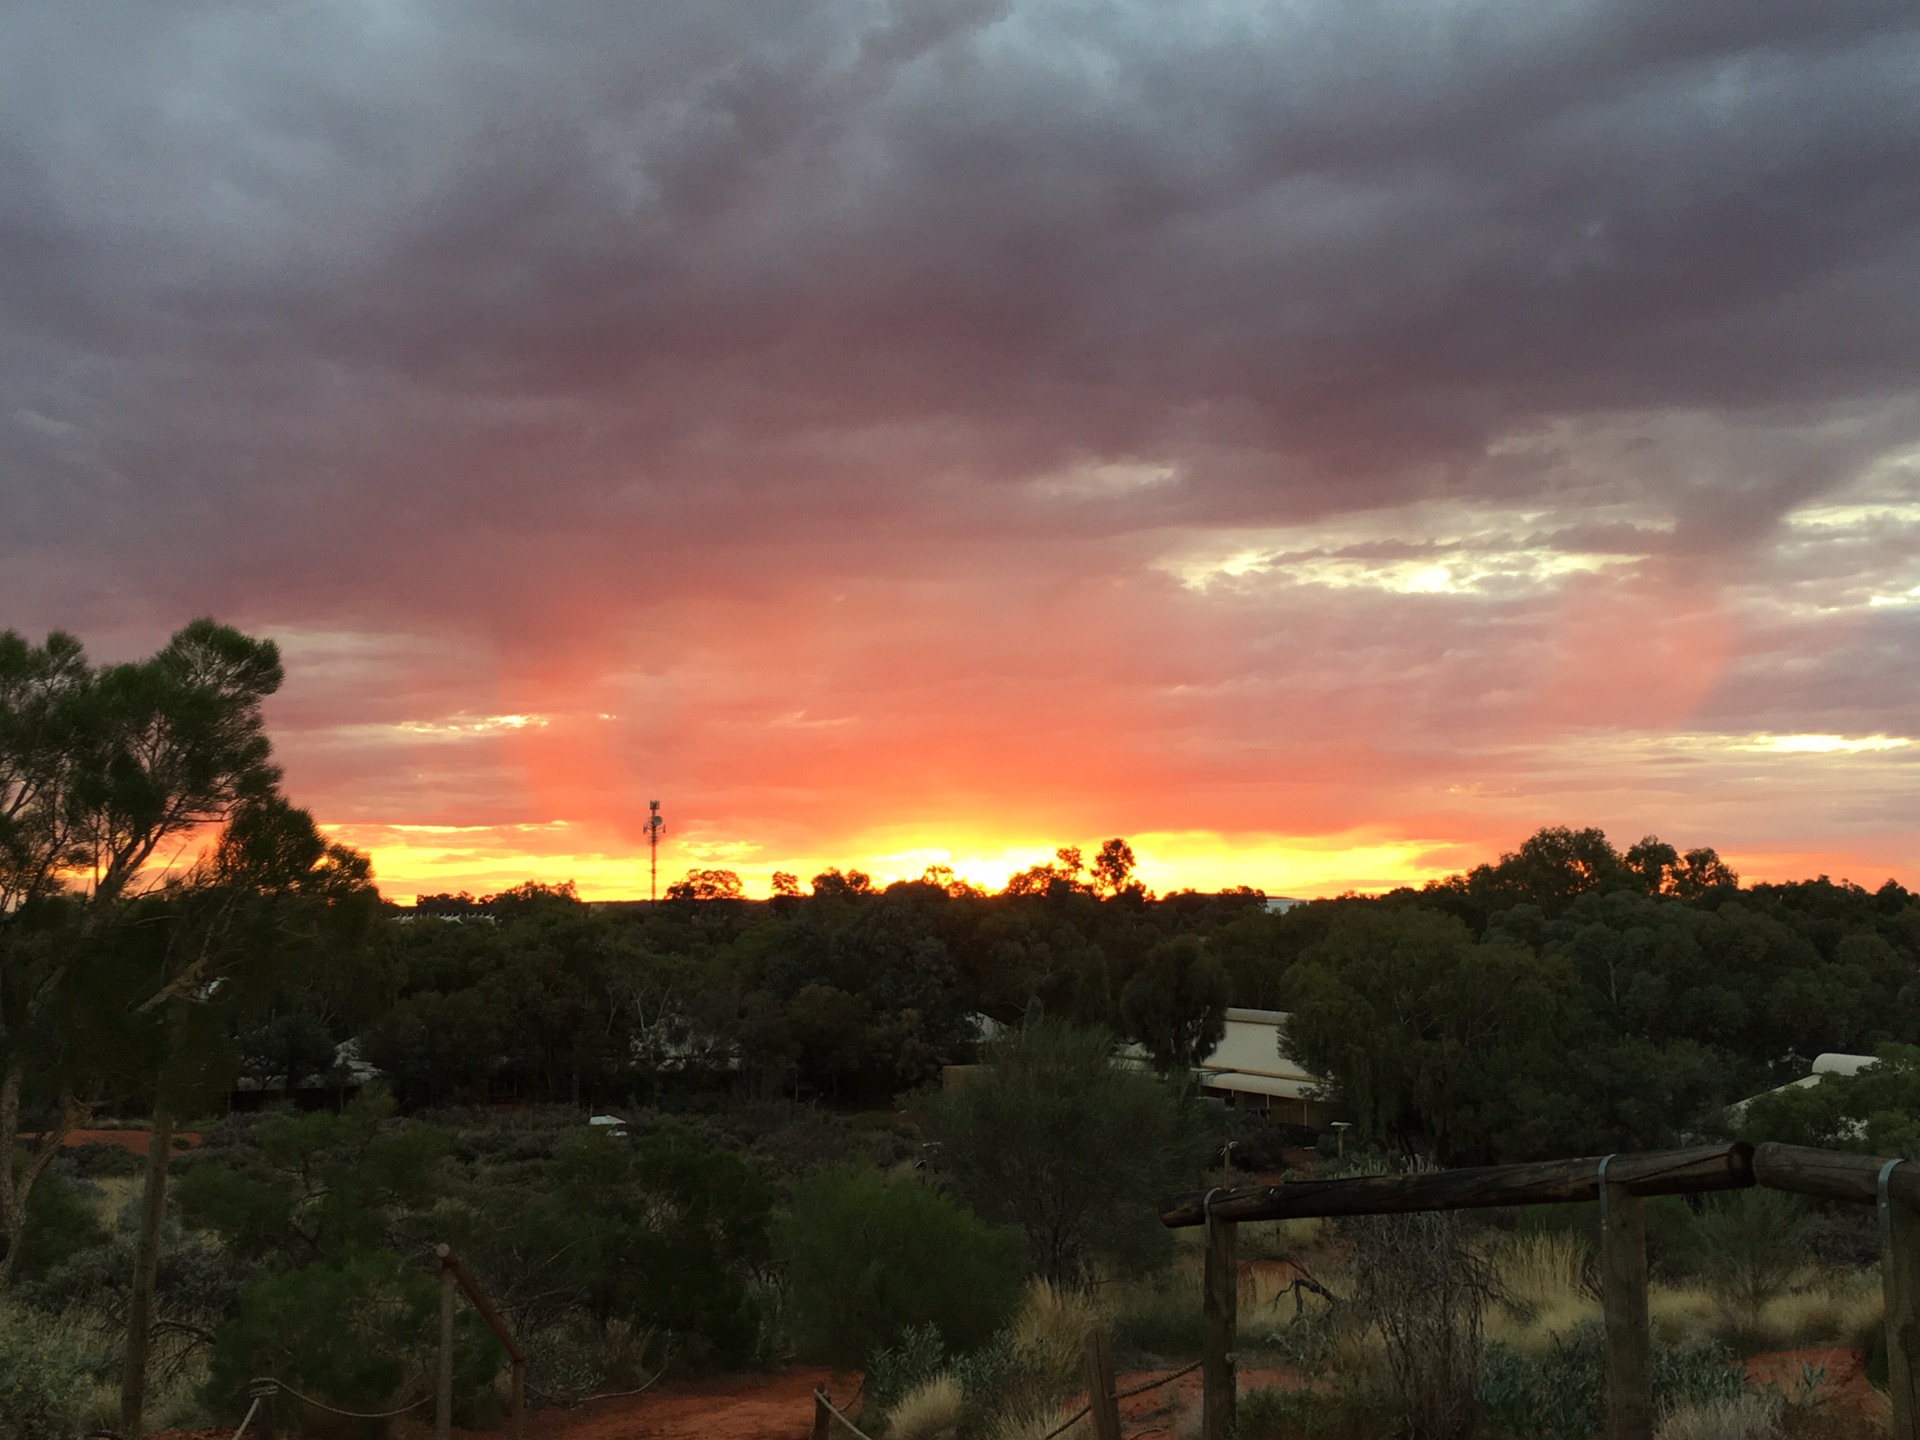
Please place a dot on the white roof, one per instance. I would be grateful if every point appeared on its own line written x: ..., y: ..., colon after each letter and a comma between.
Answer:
x: 1251, y: 1046
x: 1834, y: 1062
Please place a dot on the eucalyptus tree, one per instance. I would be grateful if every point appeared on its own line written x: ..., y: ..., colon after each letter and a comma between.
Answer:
x: 108, y: 776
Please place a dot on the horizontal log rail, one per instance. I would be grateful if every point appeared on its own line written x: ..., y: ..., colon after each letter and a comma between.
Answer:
x: 1833, y: 1174
x: 1622, y: 1181
x: 1546, y: 1182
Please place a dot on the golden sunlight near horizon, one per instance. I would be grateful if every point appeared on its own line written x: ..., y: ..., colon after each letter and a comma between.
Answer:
x: 412, y: 860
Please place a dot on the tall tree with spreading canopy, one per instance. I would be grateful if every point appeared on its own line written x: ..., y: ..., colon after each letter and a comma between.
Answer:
x: 114, y: 955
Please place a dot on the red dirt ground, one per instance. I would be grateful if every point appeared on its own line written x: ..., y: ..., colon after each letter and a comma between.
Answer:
x: 780, y: 1406
x: 1846, y: 1391
x: 135, y: 1140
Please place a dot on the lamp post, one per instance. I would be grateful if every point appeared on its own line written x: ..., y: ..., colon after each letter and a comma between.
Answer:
x: 655, y: 824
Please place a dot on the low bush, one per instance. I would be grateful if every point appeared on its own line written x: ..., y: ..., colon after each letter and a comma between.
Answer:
x: 1562, y: 1395
x: 60, y: 1224
x: 870, y: 1257
x: 1269, y: 1414
x: 1161, y: 1317
x: 45, y: 1383
x: 360, y: 1333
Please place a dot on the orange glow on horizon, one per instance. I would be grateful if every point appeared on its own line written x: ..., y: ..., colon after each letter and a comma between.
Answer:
x: 410, y: 860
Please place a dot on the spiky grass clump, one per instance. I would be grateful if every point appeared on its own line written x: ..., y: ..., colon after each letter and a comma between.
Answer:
x: 1050, y: 1329
x: 929, y: 1410
x: 1753, y: 1415
x: 1539, y: 1282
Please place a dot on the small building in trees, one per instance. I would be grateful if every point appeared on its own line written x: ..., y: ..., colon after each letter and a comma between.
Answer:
x: 1250, y: 1070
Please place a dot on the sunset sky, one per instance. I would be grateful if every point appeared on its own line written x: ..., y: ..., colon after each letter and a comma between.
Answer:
x: 1322, y: 442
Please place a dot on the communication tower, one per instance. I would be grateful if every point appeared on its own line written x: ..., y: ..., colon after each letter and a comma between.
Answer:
x: 655, y: 824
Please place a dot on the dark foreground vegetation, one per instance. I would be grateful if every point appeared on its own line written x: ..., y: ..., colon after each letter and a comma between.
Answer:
x: 182, y: 950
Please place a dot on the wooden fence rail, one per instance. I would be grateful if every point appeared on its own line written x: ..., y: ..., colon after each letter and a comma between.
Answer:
x: 1621, y: 1184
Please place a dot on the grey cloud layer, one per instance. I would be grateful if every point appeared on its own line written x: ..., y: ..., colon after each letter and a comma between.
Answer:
x: 349, y: 309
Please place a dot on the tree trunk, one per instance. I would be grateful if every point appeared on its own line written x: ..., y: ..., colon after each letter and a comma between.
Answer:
x: 146, y: 1267
x: 13, y: 1186
x: 16, y: 1180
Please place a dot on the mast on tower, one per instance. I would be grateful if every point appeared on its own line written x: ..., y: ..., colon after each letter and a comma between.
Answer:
x: 655, y: 824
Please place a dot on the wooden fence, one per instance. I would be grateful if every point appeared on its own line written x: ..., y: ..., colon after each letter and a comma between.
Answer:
x: 1621, y: 1183
x: 453, y: 1274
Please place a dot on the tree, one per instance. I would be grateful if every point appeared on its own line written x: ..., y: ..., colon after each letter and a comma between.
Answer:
x: 831, y: 884
x: 1113, y: 866
x: 1061, y: 877
x: 99, y: 770
x: 1663, y: 870
x: 1176, y: 1005
x: 1441, y: 1045
x: 266, y: 893
x: 707, y: 885
x: 1051, y: 1137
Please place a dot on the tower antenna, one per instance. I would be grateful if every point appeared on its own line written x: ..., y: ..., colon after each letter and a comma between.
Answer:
x: 654, y: 826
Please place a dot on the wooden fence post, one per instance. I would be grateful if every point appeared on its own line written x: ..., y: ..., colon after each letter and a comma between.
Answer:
x: 443, y: 1396
x: 822, y: 1416
x: 1102, y: 1402
x: 1623, y: 1298
x: 518, y: 1399
x: 1900, y: 1289
x: 1221, y: 1300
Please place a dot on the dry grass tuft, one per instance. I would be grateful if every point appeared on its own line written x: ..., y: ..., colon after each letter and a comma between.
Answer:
x: 1751, y: 1416
x: 1825, y: 1308
x: 1538, y: 1278
x: 1050, y: 1332
x: 927, y: 1411
x: 1033, y: 1422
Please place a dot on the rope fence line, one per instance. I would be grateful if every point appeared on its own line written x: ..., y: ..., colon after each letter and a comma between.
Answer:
x: 287, y: 1389
x: 824, y: 1410
x: 567, y: 1404
x: 1118, y: 1395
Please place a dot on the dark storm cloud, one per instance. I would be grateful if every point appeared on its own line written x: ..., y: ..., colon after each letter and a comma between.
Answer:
x: 463, y: 265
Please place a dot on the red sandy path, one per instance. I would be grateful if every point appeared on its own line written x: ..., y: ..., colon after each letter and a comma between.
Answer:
x: 135, y: 1140
x: 780, y: 1406
x: 756, y: 1407
x: 741, y: 1407
x: 1845, y: 1390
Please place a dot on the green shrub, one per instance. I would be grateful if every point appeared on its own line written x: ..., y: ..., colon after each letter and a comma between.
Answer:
x: 894, y: 1371
x: 1562, y: 1396
x: 1750, y: 1245
x: 1270, y: 1414
x: 361, y: 1333
x: 1162, y: 1317
x: 44, y: 1381
x: 59, y: 1226
x: 1050, y: 1137
x: 870, y: 1257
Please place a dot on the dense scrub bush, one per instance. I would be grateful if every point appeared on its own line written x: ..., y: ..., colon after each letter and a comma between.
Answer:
x: 60, y: 1224
x: 1051, y: 1137
x: 869, y: 1257
x: 44, y: 1380
x: 360, y: 1332
x: 1562, y: 1396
